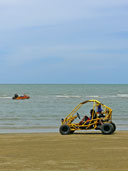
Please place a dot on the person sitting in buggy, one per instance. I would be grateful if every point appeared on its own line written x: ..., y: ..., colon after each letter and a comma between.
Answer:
x: 100, y: 111
x: 87, y: 119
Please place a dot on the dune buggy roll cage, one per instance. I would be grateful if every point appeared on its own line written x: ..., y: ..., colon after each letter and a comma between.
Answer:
x: 107, y: 112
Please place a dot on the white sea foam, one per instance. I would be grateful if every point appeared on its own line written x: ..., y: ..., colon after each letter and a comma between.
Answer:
x: 93, y: 96
x: 122, y: 95
x: 67, y: 96
x: 109, y: 96
x: 2, y: 97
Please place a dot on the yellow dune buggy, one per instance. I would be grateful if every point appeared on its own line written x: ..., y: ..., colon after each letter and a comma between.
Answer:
x: 100, y: 119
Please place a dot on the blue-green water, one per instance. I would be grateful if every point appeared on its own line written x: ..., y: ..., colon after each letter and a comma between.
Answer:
x: 49, y: 103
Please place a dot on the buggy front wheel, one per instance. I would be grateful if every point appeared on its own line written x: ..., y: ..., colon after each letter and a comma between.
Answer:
x: 114, y: 126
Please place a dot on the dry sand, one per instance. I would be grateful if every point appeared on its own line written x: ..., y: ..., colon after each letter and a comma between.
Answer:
x: 52, y: 151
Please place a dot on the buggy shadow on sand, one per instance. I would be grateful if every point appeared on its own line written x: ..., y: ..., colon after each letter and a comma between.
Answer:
x: 101, y: 119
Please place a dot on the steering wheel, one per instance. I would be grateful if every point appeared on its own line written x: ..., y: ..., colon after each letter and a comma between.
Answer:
x: 78, y: 115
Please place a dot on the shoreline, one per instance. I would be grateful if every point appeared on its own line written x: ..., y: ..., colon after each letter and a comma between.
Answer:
x: 53, y: 151
x: 57, y: 132
x: 45, y: 130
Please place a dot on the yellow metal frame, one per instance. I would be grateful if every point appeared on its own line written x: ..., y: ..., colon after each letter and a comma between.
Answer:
x: 91, y: 124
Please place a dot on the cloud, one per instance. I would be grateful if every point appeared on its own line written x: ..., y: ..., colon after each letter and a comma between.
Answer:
x: 20, y: 56
x: 21, y: 13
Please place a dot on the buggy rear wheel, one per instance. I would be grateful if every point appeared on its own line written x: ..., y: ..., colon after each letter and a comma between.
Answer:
x: 64, y: 129
x: 107, y: 128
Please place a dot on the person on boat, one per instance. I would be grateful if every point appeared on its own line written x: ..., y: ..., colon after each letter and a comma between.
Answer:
x: 15, y: 96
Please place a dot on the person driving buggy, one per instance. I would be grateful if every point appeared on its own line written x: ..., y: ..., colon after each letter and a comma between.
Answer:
x: 86, y: 118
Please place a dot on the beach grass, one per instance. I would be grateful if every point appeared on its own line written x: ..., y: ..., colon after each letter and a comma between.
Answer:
x: 52, y: 151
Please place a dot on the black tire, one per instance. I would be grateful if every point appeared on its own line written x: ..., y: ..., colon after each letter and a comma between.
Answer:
x: 114, y: 126
x: 64, y: 129
x: 107, y: 128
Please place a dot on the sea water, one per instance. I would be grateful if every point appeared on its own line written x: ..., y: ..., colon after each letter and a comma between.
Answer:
x: 49, y: 103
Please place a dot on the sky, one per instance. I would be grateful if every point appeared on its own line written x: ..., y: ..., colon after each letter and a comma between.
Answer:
x: 63, y: 41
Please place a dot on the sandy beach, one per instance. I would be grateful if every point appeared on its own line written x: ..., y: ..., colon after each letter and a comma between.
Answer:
x: 52, y: 151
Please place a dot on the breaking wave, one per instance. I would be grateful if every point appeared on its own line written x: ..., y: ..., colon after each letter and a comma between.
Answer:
x: 109, y: 96
x: 93, y: 96
x: 122, y: 95
x: 66, y: 96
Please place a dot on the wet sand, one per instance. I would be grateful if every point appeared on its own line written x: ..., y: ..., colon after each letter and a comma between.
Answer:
x: 52, y: 151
